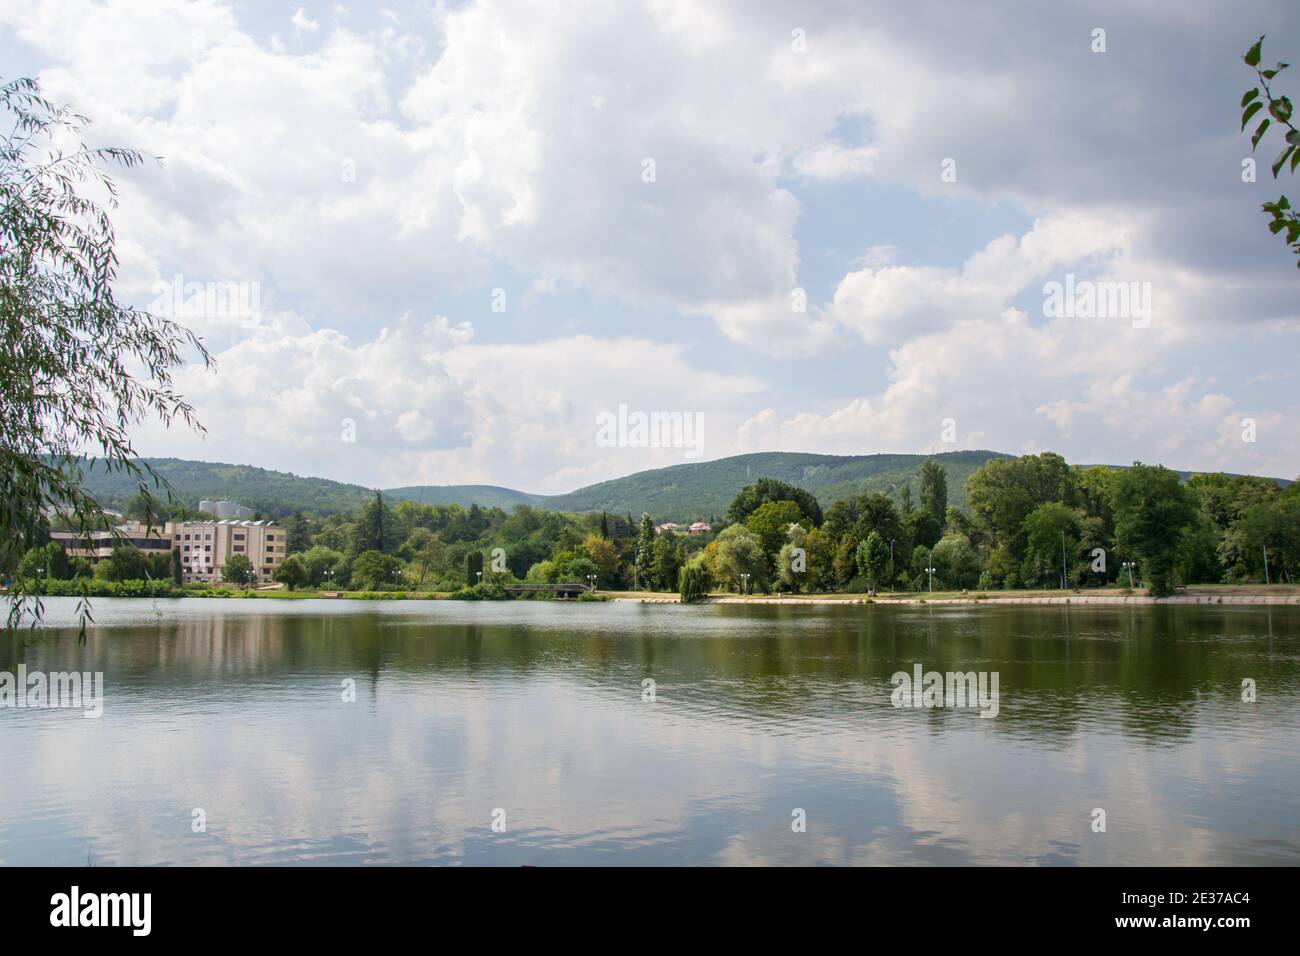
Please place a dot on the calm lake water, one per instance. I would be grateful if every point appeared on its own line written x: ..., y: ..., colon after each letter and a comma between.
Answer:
x: 536, y: 709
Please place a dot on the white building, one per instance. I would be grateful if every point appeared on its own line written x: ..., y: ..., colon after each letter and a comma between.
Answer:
x: 204, y: 545
x: 225, y: 510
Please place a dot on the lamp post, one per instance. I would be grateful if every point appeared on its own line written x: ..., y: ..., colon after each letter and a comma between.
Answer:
x: 480, y: 576
x: 891, y: 565
x: 1265, y: 550
x: 1064, y: 573
x: 744, y: 583
x: 930, y: 570
x: 1129, y: 565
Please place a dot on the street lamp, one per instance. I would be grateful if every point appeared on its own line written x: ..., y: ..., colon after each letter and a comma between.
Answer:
x: 480, y: 576
x: 591, y: 580
x: 1129, y: 565
x: 1064, y: 572
x: 744, y: 582
x: 930, y: 570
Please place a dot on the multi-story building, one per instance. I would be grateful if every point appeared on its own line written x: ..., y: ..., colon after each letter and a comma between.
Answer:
x: 222, y: 510
x: 99, y: 545
x: 204, y: 545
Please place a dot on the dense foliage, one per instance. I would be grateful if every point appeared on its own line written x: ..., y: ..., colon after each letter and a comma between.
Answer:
x: 1033, y: 522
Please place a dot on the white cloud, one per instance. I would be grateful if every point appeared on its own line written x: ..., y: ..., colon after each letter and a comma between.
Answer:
x: 428, y: 405
x: 1009, y: 385
x: 303, y: 23
x: 886, y: 304
x: 357, y: 179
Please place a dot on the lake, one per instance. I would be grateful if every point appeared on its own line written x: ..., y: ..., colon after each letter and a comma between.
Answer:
x: 341, y: 732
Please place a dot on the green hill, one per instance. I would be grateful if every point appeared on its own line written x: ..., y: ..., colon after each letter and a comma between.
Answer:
x: 485, y: 496
x: 273, y: 493
x: 676, y: 493
x: 704, y: 489
x: 686, y: 492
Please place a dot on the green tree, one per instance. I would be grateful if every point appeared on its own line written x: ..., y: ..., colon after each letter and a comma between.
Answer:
x: 78, y: 369
x: 292, y: 573
x: 604, y: 555
x: 1002, y: 492
x: 45, y: 563
x: 956, y: 563
x: 771, y: 520
x: 752, y: 497
x: 473, y: 567
x: 921, y: 528
x: 1273, y: 527
x: 1046, y: 558
x: 237, y: 570
x: 375, y: 571
x: 1151, y: 509
x: 425, y: 550
x: 645, y: 540
x: 664, y: 562
x: 375, y: 530
x: 905, y: 499
x: 934, y: 490
x: 821, y: 559
x: 873, y: 558
x: 740, y: 562
x: 693, y: 580
x: 322, y: 565
x: 792, y: 565
x: 297, y: 533
x: 845, y: 561
x: 178, y: 571
x: 1283, y: 217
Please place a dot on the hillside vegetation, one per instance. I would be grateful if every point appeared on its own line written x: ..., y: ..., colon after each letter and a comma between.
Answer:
x: 685, y: 492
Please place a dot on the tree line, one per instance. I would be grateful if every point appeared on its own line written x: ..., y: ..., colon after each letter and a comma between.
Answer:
x: 1030, y: 523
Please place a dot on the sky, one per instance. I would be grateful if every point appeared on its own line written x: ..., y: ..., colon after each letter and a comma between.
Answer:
x: 465, y: 235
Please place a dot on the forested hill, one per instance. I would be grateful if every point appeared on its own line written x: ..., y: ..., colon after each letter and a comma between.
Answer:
x: 273, y: 493
x: 704, y: 489
x: 676, y: 493
x: 485, y: 496
x: 685, y: 492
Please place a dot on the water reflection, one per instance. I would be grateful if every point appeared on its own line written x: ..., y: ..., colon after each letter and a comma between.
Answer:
x: 236, y: 708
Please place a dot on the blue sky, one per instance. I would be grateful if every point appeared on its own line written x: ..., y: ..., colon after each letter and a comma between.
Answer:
x: 383, y: 176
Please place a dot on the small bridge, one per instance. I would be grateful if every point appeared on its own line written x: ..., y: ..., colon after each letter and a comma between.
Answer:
x: 559, y: 590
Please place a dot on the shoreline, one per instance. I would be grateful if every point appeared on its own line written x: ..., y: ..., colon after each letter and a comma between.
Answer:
x: 1228, y: 596
x: 1250, y: 600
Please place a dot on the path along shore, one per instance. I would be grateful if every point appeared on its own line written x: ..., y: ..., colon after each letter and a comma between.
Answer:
x: 1235, y: 599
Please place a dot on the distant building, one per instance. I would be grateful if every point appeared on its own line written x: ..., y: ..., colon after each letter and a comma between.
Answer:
x: 700, y: 527
x: 225, y: 510
x: 204, y: 545
x: 99, y: 545
x: 667, y: 526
